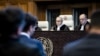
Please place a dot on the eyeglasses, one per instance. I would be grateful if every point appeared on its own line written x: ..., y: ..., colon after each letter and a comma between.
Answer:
x: 58, y: 21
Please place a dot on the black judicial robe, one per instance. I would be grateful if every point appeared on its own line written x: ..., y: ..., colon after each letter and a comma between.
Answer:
x: 62, y: 28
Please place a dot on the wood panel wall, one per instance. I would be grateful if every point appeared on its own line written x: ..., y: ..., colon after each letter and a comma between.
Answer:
x: 66, y: 8
x: 40, y: 10
x: 26, y: 5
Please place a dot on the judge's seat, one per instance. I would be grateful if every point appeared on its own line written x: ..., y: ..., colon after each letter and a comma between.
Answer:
x: 43, y: 25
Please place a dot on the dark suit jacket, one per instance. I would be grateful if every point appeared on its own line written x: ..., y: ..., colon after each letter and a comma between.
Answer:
x: 63, y: 28
x: 30, y: 42
x: 13, y: 47
x: 77, y: 28
x: 87, y: 46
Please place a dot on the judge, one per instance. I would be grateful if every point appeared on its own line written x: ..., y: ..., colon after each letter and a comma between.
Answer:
x: 59, y: 25
x: 84, y: 24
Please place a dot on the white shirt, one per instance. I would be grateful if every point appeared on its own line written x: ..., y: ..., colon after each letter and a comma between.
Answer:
x: 23, y: 33
x: 82, y: 28
x: 58, y: 27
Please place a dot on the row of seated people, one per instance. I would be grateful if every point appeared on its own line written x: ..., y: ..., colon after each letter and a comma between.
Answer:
x: 67, y: 25
x: 83, y: 26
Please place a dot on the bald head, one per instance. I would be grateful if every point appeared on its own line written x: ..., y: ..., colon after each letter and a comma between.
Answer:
x: 83, y: 19
x: 83, y: 16
x: 59, y: 21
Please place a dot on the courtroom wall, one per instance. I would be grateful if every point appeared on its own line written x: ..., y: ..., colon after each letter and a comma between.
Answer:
x: 65, y: 8
x: 39, y: 10
x: 26, y: 5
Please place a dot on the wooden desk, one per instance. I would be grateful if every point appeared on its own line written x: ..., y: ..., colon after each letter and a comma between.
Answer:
x: 59, y: 39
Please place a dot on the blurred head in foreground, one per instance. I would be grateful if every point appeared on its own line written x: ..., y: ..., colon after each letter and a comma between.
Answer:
x: 95, y: 22
x: 11, y: 21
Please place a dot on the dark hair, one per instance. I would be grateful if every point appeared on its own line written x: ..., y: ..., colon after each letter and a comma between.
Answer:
x: 30, y: 20
x: 10, y: 20
x: 95, y: 19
